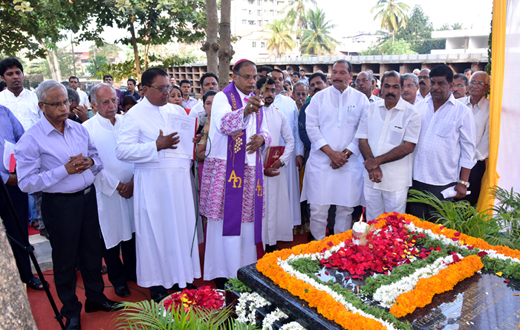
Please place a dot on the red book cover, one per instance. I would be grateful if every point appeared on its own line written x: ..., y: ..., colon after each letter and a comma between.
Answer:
x: 12, y: 164
x: 273, y: 154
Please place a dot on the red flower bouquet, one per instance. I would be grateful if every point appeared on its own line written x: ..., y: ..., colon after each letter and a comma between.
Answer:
x: 203, y: 297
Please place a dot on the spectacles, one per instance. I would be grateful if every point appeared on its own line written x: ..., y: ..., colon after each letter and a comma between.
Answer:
x: 65, y: 103
x: 409, y: 86
x: 300, y: 94
x: 479, y: 83
x: 424, y: 77
x: 364, y: 80
x: 248, y: 77
x: 460, y: 86
x: 114, y: 101
x: 161, y: 89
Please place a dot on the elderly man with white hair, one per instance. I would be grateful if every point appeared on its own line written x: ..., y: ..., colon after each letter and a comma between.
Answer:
x: 410, y: 85
x: 479, y: 105
x: 114, y: 190
x: 57, y: 156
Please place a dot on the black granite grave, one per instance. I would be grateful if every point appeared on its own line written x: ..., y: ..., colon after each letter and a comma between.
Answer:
x: 483, y: 301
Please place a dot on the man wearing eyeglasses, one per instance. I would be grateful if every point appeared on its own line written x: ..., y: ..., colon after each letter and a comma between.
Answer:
x: 232, y: 191
x: 114, y: 190
x: 57, y: 156
x: 290, y: 109
x: 479, y: 104
x: 424, y: 85
x: 365, y: 83
x: 460, y: 85
x: 164, y: 209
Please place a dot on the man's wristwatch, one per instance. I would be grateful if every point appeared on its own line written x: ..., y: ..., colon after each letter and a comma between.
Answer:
x: 464, y: 183
x: 282, y: 162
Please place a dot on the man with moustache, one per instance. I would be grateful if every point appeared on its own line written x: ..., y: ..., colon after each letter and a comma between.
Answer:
x: 74, y: 84
x: 424, y: 85
x: 410, y: 85
x: 57, y: 156
x: 231, y: 194
x: 444, y: 155
x: 332, y: 121
x: 164, y: 210
x: 365, y: 84
x: 277, y: 224
x: 460, y: 85
x: 479, y: 104
x: 208, y: 81
x: 290, y: 109
x: 387, y: 133
x: 114, y: 190
x: 300, y: 93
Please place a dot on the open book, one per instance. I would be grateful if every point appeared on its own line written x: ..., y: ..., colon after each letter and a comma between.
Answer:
x: 186, y: 128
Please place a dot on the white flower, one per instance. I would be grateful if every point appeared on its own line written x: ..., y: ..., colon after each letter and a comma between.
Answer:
x: 292, y: 326
x: 272, y: 317
x: 245, y: 313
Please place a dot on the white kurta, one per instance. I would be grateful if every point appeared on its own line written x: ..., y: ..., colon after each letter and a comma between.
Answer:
x: 163, y: 200
x: 83, y: 98
x: 332, y: 119
x: 116, y: 213
x: 277, y: 224
x: 290, y: 110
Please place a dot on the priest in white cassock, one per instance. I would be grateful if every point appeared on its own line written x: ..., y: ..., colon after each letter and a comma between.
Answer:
x: 334, y: 171
x: 114, y: 190
x: 163, y: 197
x: 295, y: 163
x: 231, y: 194
x: 277, y: 224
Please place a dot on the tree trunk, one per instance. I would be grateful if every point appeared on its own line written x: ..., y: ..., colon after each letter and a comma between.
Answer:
x: 16, y: 311
x: 48, y: 58
x: 211, y: 45
x: 225, y: 53
x: 56, y: 65
x: 136, y: 51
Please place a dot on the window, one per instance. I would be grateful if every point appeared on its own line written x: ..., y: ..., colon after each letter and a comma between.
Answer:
x: 250, y: 12
x: 254, y: 44
x: 251, y: 2
x: 259, y: 3
x: 259, y: 12
x: 244, y: 21
x: 272, y: 12
x: 262, y: 44
x: 259, y: 22
x: 251, y: 22
x: 244, y: 11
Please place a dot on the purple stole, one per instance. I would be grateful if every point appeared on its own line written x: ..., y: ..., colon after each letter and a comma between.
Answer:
x: 235, y: 166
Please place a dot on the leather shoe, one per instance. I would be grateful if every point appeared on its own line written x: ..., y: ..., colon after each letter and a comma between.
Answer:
x: 107, y: 306
x: 73, y: 324
x: 122, y: 290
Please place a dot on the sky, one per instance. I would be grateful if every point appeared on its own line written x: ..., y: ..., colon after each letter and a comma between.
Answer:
x: 353, y: 16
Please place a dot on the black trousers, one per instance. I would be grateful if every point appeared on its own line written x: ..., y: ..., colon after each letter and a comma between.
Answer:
x: 421, y: 210
x: 121, y: 272
x: 73, y: 226
x: 21, y: 205
x: 475, y: 182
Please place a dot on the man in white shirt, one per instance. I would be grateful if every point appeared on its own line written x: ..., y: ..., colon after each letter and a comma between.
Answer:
x: 208, y: 81
x: 410, y: 84
x: 303, y: 76
x: 83, y: 97
x: 365, y: 84
x: 188, y: 102
x: 277, y: 224
x: 289, y: 108
x: 479, y: 104
x: 24, y: 105
x: 445, y: 152
x: 424, y: 85
x: 332, y: 176
x: 114, y: 190
x: 164, y: 209
x: 387, y: 133
x: 460, y: 85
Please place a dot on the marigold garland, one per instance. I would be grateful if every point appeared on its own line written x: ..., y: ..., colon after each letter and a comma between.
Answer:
x: 453, y: 234
x: 426, y: 288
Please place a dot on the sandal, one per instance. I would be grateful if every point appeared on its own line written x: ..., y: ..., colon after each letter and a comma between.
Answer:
x: 35, y: 224
x: 35, y: 283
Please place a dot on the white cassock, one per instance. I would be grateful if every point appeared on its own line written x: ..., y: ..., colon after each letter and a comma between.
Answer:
x: 116, y: 213
x: 277, y: 224
x: 290, y: 110
x: 163, y: 200
x: 224, y: 255
x: 333, y: 119
x: 83, y: 98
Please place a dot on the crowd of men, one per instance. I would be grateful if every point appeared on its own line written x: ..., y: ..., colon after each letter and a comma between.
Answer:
x: 106, y: 183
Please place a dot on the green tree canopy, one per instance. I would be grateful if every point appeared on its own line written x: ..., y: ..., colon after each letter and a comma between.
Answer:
x: 297, y: 14
x: 418, y: 33
x: 280, y: 40
x: 392, y: 15
x: 387, y: 47
x: 316, y: 39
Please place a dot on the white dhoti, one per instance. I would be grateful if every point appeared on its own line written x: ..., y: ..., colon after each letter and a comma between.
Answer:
x: 277, y: 224
x: 380, y: 201
x: 319, y: 214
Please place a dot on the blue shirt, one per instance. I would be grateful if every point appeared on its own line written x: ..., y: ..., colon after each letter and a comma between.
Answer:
x: 135, y: 95
x: 43, y: 151
x: 11, y: 130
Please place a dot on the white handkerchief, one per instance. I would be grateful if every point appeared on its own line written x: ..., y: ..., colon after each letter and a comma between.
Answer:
x: 451, y: 192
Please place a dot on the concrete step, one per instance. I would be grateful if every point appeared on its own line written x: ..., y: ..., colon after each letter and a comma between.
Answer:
x: 42, y: 251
